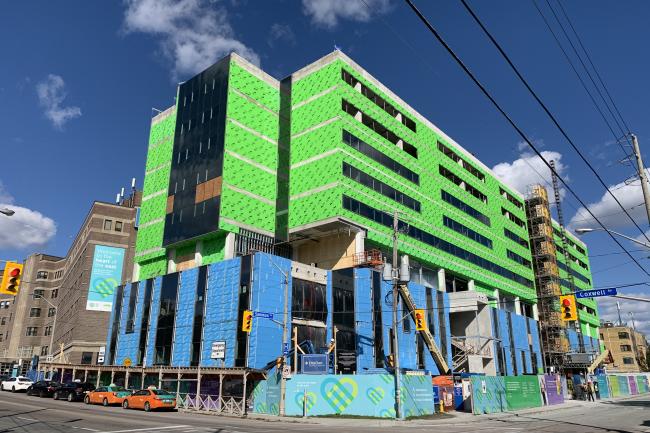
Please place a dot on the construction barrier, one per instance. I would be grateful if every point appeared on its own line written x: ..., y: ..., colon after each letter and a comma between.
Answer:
x: 553, y: 388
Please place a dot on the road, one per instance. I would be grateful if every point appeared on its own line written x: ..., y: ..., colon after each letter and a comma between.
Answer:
x: 19, y: 413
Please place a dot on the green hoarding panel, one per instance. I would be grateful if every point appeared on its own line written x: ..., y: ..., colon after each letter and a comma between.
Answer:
x: 522, y: 392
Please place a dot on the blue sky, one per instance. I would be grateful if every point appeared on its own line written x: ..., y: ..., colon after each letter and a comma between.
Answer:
x: 80, y: 79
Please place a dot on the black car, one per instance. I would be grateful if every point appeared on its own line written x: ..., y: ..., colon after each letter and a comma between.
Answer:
x: 73, y: 391
x: 43, y: 388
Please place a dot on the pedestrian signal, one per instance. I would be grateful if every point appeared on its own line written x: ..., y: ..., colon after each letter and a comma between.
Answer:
x: 568, y: 309
x: 11, y: 278
x: 420, y: 320
x: 247, y: 321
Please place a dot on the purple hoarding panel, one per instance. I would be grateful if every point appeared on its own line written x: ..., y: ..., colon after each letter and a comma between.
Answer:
x: 553, y: 386
x: 634, y: 389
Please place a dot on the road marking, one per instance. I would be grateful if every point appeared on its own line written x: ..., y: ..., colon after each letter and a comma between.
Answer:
x: 147, y: 429
x: 26, y: 419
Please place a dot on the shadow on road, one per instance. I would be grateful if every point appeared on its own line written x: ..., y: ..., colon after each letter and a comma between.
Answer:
x: 558, y: 421
x: 629, y: 403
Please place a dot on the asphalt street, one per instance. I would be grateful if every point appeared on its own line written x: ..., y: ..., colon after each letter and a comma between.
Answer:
x: 19, y: 413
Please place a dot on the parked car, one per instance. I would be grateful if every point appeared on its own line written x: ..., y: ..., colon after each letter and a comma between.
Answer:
x: 150, y: 399
x: 73, y: 391
x: 13, y: 384
x: 43, y: 388
x: 107, y: 395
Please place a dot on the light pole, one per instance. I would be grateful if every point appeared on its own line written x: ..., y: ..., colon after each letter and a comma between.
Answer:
x: 7, y: 211
x: 586, y: 230
x: 56, y: 311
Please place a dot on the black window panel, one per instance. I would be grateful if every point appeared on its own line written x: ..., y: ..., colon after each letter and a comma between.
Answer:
x: 308, y: 300
x: 144, y: 330
x: 197, y: 152
x: 449, y: 175
x: 379, y: 128
x: 199, y: 306
x: 575, y: 273
x: 343, y: 298
x: 130, y: 315
x: 315, y: 334
x: 374, y: 154
x: 346, y: 340
x: 117, y: 308
x: 378, y: 100
x: 166, y: 318
x: 506, y: 213
x: 517, y: 258
x: 243, y: 304
x: 512, y: 199
x: 514, y: 237
x: 380, y: 187
x: 466, y: 231
x: 462, y: 162
x: 376, y: 318
x: 386, y: 220
x: 461, y: 205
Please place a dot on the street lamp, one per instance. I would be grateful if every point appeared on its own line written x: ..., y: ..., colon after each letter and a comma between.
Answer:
x: 586, y: 230
x: 56, y: 310
x: 7, y: 211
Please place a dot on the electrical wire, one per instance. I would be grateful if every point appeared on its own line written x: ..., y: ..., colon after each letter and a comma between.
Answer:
x: 471, y: 75
x: 548, y: 112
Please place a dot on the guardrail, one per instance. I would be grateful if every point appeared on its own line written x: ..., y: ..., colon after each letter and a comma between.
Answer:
x: 234, y: 406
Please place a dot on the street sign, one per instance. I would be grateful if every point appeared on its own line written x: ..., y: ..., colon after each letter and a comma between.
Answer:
x: 127, y: 362
x: 595, y: 293
x: 286, y: 372
x: 346, y: 361
x: 285, y: 349
x: 314, y: 364
x: 262, y: 315
x: 218, y: 350
x: 101, y: 354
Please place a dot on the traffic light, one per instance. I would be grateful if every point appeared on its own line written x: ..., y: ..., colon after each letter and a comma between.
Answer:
x: 247, y: 321
x: 420, y: 320
x: 11, y: 278
x: 568, y: 310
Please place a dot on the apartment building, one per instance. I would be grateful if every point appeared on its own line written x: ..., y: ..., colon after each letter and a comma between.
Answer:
x: 628, y: 348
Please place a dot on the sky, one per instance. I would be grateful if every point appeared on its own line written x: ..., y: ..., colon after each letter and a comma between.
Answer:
x: 81, y: 80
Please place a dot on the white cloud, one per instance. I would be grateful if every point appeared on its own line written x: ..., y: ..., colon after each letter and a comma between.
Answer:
x: 193, y: 33
x: 281, y: 32
x: 51, y: 95
x: 25, y: 228
x: 529, y: 170
x: 327, y: 13
x: 640, y: 310
x: 629, y: 194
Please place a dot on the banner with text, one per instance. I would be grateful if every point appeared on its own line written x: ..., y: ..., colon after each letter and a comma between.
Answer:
x: 105, y: 276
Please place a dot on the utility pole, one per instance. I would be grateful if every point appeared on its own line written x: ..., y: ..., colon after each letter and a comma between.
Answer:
x: 642, y: 175
x: 398, y: 379
x: 283, y: 380
x: 618, y: 307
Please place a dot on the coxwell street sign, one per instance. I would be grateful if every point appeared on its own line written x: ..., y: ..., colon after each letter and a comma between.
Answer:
x: 262, y: 315
x: 595, y: 293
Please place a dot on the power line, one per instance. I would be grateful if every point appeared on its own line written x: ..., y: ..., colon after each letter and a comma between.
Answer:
x: 548, y: 112
x: 584, y: 85
x: 513, y: 124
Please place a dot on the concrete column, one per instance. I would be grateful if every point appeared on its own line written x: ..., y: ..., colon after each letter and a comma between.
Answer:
x: 74, y: 374
x: 517, y: 305
x: 135, y: 276
x: 229, y: 248
x: 126, y: 379
x: 171, y: 261
x: 441, y: 280
x: 160, y: 377
x: 471, y: 286
x: 359, y: 241
x: 535, y: 312
x: 99, y: 376
x: 112, y: 376
x: 86, y: 375
x: 198, y: 254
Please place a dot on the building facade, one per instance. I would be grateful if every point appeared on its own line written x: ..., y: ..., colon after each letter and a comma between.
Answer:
x: 628, y: 348
x: 63, y: 307
x: 253, y: 184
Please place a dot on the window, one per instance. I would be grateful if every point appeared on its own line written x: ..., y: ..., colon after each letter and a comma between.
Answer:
x: 3, y: 321
x: 31, y: 331
x: 166, y: 318
x: 628, y: 361
x: 51, y: 311
x: 308, y: 300
x: 2, y: 337
x: 38, y: 293
x: 517, y: 258
x: 575, y: 273
x: 108, y: 224
x: 506, y: 213
x: 118, y: 226
x: 48, y: 331
x: 458, y: 204
x: 35, y: 312
x: 380, y: 187
x: 511, y: 198
x: 460, y: 161
x: 42, y: 275
x: 54, y: 293
x: 386, y: 220
x: 86, y: 357
x: 44, y: 350
x: 514, y: 237
x: 378, y: 100
x: 466, y: 231
x: 623, y: 336
x: 130, y: 315
x: 450, y: 176
x: 379, y: 157
x: 379, y: 129
x: 626, y: 348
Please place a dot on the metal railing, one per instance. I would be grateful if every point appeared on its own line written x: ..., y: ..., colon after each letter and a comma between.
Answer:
x: 233, y: 406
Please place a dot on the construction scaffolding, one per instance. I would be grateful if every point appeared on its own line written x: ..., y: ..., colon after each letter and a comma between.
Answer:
x: 547, y: 278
